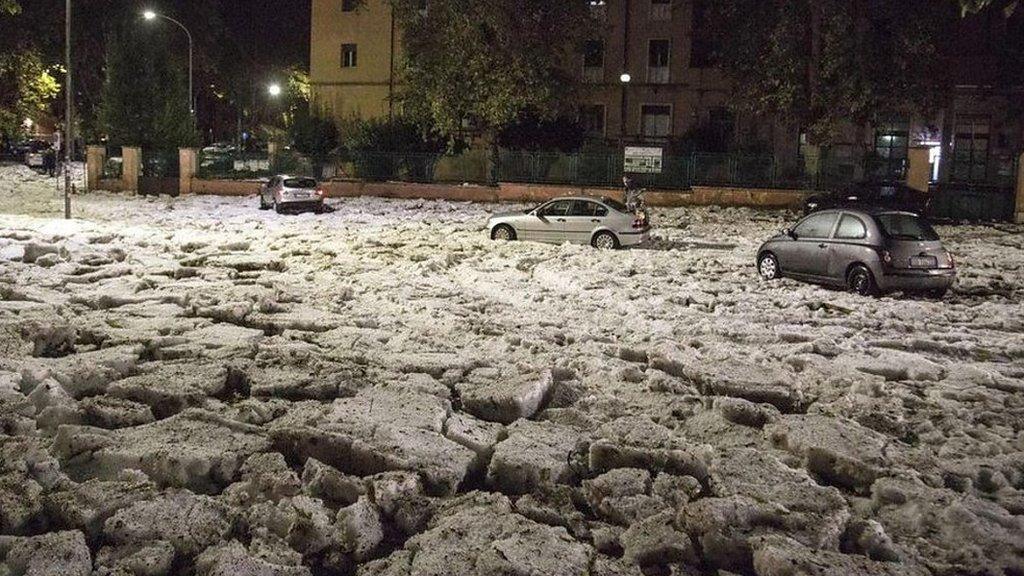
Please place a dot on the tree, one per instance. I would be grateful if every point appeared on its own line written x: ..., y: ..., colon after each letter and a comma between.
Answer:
x: 481, y: 64
x: 145, y: 96
x: 826, y: 63
x: 315, y: 136
x: 26, y: 90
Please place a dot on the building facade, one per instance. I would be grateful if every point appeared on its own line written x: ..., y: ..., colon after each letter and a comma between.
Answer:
x: 672, y: 84
x: 647, y: 76
x: 354, y: 52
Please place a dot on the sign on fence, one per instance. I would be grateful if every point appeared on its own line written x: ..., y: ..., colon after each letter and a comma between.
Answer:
x: 641, y: 160
x: 252, y: 165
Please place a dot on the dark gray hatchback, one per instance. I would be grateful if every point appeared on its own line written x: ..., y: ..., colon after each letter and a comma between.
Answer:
x: 867, y: 251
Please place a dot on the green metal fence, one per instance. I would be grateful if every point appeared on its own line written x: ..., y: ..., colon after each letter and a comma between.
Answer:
x: 695, y: 169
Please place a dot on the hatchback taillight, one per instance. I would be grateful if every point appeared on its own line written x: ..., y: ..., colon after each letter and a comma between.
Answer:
x: 319, y: 191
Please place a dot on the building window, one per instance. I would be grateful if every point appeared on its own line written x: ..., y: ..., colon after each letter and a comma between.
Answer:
x: 891, y: 143
x: 349, y: 55
x: 659, y: 55
x: 971, y: 148
x: 656, y: 121
x: 593, y: 61
x: 722, y: 123
x: 348, y: 5
x: 702, y: 51
x: 661, y: 10
x: 592, y: 119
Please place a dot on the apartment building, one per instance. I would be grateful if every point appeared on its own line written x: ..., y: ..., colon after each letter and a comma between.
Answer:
x: 354, y: 52
x: 672, y: 84
x: 647, y: 76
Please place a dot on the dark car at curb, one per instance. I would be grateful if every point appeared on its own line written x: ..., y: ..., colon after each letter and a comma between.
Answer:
x: 891, y: 195
x: 865, y: 250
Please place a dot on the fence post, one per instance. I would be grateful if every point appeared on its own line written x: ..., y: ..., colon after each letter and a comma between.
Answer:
x: 95, y: 158
x: 186, y: 169
x: 1020, y: 190
x: 132, y: 167
x: 919, y: 168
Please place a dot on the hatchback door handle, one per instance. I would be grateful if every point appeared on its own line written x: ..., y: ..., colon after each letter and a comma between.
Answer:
x: 596, y: 221
x: 560, y: 220
x: 822, y: 245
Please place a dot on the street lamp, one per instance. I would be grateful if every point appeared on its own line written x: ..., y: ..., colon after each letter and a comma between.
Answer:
x: 274, y: 90
x: 625, y: 78
x: 151, y: 15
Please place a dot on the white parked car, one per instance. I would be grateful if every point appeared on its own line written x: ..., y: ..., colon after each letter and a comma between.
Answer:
x: 600, y: 222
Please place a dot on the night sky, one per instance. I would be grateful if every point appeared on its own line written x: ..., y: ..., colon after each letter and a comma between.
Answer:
x: 278, y: 30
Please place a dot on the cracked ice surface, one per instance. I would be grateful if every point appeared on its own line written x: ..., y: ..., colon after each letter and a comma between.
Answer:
x: 194, y: 386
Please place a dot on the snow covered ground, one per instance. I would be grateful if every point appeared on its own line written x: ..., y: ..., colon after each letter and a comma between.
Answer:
x: 193, y: 386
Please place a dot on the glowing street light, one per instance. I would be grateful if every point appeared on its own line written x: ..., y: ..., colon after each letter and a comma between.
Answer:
x: 625, y: 78
x: 151, y: 15
x: 274, y: 90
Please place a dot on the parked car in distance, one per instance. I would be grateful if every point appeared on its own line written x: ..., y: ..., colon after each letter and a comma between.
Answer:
x: 292, y: 193
x: 35, y: 154
x: 600, y: 222
x: 865, y: 250
x: 891, y: 195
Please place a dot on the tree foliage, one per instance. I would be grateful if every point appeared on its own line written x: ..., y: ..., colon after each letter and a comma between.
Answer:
x: 481, y: 64
x: 826, y: 62
x: 145, y: 96
x: 314, y: 135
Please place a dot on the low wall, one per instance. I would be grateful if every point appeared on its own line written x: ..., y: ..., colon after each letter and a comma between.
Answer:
x: 698, y: 196
x: 411, y: 190
x: 529, y: 193
x: 110, y: 185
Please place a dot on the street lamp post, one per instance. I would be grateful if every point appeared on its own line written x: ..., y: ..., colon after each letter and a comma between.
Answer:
x: 151, y: 15
x: 68, y: 111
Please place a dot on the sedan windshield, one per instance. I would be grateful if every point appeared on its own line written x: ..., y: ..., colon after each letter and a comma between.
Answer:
x: 899, y: 226
x: 300, y: 183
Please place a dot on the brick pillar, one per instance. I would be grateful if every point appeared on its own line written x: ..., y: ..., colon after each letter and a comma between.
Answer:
x: 919, y: 168
x: 1020, y: 189
x: 131, y: 168
x: 95, y: 157
x: 186, y: 169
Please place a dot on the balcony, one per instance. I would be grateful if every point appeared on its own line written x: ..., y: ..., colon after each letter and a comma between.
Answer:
x: 658, y: 75
x: 661, y: 12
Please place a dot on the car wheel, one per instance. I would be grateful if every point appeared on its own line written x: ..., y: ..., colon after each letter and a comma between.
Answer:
x: 503, y: 232
x: 263, y: 203
x: 605, y: 241
x: 861, y: 281
x: 768, y: 267
x: 278, y: 208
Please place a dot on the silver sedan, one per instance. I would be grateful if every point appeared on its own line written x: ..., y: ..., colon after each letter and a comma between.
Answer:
x: 291, y: 193
x: 600, y: 222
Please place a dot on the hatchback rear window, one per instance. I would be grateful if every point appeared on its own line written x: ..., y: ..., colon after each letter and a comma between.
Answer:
x: 898, y: 226
x: 300, y: 183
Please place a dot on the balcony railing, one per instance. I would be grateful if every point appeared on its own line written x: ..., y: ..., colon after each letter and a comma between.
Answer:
x: 661, y: 12
x: 593, y: 74
x: 658, y: 74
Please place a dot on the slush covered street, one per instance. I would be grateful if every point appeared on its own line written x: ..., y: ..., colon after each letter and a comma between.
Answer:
x: 192, y: 382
